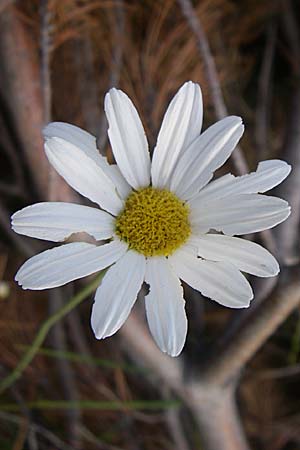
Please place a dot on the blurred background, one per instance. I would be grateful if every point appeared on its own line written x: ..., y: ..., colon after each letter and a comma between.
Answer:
x: 57, y: 60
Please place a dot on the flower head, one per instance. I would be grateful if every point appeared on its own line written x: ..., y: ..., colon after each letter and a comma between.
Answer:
x: 161, y: 221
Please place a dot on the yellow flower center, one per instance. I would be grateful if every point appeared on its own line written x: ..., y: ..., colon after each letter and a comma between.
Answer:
x: 154, y: 222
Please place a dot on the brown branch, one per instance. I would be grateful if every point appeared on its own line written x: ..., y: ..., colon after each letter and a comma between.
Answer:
x: 22, y: 91
x: 143, y: 350
x: 216, y: 414
x: 9, y: 146
x: 264, y: 92
x: 291, y: 30
x: 116, y: 63
x: 88, y: 84
x: 38, y: 429
x: 5, y: 3
x: 174, y: 424
x: 229, y: 362
x: 211, y: 75
x: 212, y: 406
x: 66, y: 374
x: 288, y: 232
x: 58, y: 190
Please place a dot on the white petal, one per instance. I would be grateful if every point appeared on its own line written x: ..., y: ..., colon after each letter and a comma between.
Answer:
x: 239, y: 214
x: 268, y: 175
x: 66, y: 263
x: 165, y: 306
x: 219, y: 281
x: 128, y: 140
x: 83, y: 174
x: 181, y: 125
x: 55, y: 221
x: 76, y: 136
x: 117, y: 294
x: 87, y: 143
x: 244, y: 255
x: 206, y: 154
x: 121, y: 184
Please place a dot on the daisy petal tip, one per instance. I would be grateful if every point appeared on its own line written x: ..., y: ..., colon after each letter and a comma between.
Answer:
x: 113, y: 91
x: 113, y: 95
x: 174, y: 353
x: 97, y: 332
x: 55, y: 129
x: 284, y: 166
x: 276, y: 271
x: 100, y: 334
x: 287, y: 210
x: 245, y: 302
x: 191, y: 84
x: 47, y: 130
x: 288, y: 167
x: 20, y: 282
x: 195, y: 87
x: 236, y: 124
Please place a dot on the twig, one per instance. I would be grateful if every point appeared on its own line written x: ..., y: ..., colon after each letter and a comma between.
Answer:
x: 280, y: 372
x: 32, y: 440
x: 5, y: 3
x: 211, y: 74
x: 142, y: 349
x: 21, y: 435
x: 88, y: 84
x: 264, y: 92
x: 291, y: 30
x: 295, y: 343
x: 62, y: 405
x: 288, y: 233
x: 90, y: 437
x: 215, y: 411
x: 9, y: 146
x: 51, y: 437
x: 56, y: 183
x: 66, y: 374
x: 22, y: 91
x: 242, y: 346
x: 46, y: 47
x: 44, y: 330
x: 176, y: 430
x: 117, y: 60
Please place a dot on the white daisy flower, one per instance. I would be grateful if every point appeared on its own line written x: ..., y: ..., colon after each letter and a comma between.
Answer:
x: 159, y: 218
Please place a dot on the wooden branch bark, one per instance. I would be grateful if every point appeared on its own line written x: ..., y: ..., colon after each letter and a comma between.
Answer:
x: 21, y: 88
x: 212, y: 405
x: 215, y: 412
x: 211, y: 75
x: 228, y: 363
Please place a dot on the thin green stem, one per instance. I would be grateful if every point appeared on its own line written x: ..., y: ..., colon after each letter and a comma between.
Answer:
x: 295, y: 345
x: 92, y: 404
x: 86, y: 359
x: 44, y: 330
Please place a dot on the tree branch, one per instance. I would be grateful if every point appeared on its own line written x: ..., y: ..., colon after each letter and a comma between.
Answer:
x: 211, y: 75
x: 229, y: 362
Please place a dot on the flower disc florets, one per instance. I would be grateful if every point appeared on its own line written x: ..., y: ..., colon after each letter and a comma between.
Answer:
x: 154, y: 222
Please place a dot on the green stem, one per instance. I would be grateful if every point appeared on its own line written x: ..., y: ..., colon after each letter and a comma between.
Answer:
x: 92, y: 404
x: 295, y: 345
x: 44, y: 330
x: 86, y: 359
